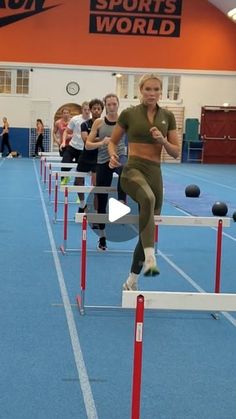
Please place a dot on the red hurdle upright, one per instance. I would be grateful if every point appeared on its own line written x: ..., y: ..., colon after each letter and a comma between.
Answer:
x: 218, y: 256
x: 80, y: 298
x: 137, y: 363
x: 65, y: 229
x: 56, y: 198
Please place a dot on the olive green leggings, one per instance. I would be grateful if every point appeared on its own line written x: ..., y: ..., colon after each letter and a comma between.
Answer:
x: 141, y: 179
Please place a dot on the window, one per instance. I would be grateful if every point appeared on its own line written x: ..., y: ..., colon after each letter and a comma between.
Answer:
x: 5, y: 81
x: 173, y: 87
x: 13, y: 81
x: 127, y: 86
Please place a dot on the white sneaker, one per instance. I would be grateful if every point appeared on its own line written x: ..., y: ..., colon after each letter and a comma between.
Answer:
x: 150, y: 267
x: 128, y: 287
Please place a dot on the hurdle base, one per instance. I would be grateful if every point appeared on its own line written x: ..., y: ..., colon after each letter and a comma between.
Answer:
x: 215, y: 316
x: 80, y: 305
x: 62, y: 250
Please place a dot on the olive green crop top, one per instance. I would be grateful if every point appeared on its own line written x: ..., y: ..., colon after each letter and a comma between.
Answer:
x: 136, y: 124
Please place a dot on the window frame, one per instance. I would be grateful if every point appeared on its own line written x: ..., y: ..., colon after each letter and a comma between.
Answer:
x: 17, y: 83
x: 170, y: 83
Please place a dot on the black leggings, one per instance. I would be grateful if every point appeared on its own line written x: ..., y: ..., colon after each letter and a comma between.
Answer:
x: 104, y: 178
x: 39, y: 144
x: 5, y: 143
x: 70, y: 155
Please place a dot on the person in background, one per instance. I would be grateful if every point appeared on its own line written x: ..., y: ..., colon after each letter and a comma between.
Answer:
x: 88, y: 159
x: 75, y: 147
x: 59, y: 127
x: 39, y: 137
x: 149, y: 128
x: 99, y: 137
x: 5, y: 137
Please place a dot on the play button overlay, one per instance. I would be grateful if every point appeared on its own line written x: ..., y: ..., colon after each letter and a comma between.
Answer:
x: 116, y: 210
x: 116, y: 232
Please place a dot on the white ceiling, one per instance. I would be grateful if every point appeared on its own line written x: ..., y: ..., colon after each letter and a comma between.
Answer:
x: 224, y: 5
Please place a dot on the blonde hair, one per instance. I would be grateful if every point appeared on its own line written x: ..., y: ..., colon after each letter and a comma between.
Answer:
x: 85, y: 103
x: 149, y: 76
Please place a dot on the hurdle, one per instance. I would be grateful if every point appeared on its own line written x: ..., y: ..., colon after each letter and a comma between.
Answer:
x: 184, y: 221
x: 48, y: 153
x: 77, y: 189
x: 48, y: 165
x: 57, y: 175
x: 140, y: 301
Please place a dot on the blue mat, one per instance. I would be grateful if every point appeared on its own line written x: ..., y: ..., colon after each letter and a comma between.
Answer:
x: 175, y: 195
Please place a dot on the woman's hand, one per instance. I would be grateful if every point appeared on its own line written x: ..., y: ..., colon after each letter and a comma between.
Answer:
x: 114, y: 161
x: 157, y: 135
x: 106, y: 140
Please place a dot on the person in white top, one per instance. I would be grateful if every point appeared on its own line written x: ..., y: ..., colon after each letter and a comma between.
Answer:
x: 76, y: 144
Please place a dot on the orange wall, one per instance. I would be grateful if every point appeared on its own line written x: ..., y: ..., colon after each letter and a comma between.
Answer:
x: 60, y: 35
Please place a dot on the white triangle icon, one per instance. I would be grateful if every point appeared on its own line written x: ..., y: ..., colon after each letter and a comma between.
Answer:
x: 116, y: 210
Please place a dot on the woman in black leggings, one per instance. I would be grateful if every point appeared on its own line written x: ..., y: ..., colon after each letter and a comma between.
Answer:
x: 39, y: 139
x: 5, y: 136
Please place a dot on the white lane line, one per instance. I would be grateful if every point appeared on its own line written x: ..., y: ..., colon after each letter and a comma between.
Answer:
x: 79, y: 360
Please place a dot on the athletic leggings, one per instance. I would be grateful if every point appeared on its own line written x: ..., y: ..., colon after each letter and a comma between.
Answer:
x: 142, y: 180
x: 104, y: 178
x: 39, y: 144
x: 5, y: 142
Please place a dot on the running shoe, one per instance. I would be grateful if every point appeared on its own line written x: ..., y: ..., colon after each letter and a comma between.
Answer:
x: 128, y: 287
x: 95, y: 226
x: 82, y: 210
x: 102, y: 244
x: 65, y: 181
x: 150, y: 267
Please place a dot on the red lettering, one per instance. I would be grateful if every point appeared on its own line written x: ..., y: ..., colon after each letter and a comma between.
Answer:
x: 124, y: 25
x: 101, y: 4
x: 130, y: 8
x: 167, y: 27
x: 170, y: 6
x: 144, y: 6
x: 150, y: 29
x: 139, y: 26
x: 158, y: 5
x: 114, y: 3
x: 105, y: 24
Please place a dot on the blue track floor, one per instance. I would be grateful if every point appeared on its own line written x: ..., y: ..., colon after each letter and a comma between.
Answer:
x: 57, y: 364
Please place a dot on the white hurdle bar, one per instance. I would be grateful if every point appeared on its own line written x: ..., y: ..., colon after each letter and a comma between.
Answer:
x: 82, y: 189
x: 50, y: 165
x: 193, y: 301
x: 184, y: 221
x: 49, y: 153
x: 57, y: 175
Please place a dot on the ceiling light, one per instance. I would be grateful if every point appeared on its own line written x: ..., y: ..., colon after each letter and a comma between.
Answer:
x: 117, y: 75
x: 232, y: 13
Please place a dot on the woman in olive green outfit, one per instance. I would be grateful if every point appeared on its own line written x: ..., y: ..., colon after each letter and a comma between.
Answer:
x: 149, y: 128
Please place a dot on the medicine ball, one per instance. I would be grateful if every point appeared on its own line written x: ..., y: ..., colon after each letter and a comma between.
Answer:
x: 192, y: 191
x: 234, y: 216
x: 219, y: 208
